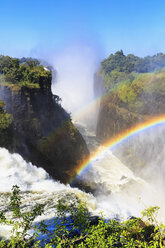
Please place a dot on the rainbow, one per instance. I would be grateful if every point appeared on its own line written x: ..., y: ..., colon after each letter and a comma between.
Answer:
x: 155, y: 121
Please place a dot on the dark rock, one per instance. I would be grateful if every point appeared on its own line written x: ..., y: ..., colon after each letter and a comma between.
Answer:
x: 42, y: 131
x: 130, y: 104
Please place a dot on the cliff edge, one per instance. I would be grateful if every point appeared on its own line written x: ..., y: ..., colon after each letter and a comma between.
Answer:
x: 134, y: 92
x: 38, y: 128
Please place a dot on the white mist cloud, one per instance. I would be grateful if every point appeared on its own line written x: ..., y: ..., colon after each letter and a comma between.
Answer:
x: 75, y: 62
x: 76, y: 65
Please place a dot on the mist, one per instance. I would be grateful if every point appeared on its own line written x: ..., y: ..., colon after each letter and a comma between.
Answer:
x: 75, y: 65
x: 144, y: 154
x: 74, y: 82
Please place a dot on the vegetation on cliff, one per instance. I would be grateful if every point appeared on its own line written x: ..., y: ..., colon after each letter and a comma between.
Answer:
x: 5, y: 127
x: 119, y: 67
x: 23, y: 72
x: 75, y: 227
x: 134, y: 91
x: 130, y: 63
x: 41, y: 130
x: 5, y: 118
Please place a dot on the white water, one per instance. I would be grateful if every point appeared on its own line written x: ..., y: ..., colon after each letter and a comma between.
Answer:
x: 76, y: 66
x: 36, y: 185
x: 118, y: 192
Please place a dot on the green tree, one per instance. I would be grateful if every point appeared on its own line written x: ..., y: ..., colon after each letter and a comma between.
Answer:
x: 5, y: 118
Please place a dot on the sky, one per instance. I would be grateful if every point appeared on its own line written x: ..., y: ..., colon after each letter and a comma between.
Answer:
x: 33, y: 27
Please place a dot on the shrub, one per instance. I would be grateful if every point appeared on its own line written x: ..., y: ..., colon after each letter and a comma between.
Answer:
x: 74, y: 227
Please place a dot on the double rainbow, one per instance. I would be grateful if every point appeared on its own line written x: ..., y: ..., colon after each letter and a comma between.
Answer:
x: 111, y: 143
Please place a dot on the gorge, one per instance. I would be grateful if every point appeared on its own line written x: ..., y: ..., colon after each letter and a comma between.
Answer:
x: 38, y: 128
x: 41, y: 130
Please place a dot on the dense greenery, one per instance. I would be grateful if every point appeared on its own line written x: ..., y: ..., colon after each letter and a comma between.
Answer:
x: 5, y: 118
x: 74, y: 227
x: 26, y: 72
x: 142, y: 95
x: 37, y: 116
x: 5, y: 127
x: 132, y: 96
x: 130, y: 63
x: 128, y: 102
x: 119, y: 67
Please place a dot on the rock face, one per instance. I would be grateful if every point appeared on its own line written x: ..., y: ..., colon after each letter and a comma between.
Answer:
x: 128, y: 105
x: 134, y: 92
x: 42, y: 131
x: 131, y: 103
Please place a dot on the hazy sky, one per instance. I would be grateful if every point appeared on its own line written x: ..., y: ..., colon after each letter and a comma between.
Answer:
x: 136, y: 26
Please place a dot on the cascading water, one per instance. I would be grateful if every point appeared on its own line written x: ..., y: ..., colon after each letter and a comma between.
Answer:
x: 35, y: 184
x: 118, y: 192
x: 76, y: 66
x: 118, y: 189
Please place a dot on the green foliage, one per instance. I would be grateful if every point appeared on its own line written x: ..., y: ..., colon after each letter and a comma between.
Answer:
x: 114, y: 77
x: 139, y: 94
x: 130, y: 63
x: 151, y: 214
x: 74, y: 228
x: 128, y: 91
x: 24, y: 72
x: 5, y: 127
x: 21, y: 222
x: 120, y: 62
x: 118, y: 67
x: 5, y: 118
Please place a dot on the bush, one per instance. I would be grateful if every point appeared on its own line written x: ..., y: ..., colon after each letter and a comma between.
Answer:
x: 74, y: 227
x: 23, y: 72
x: 21, y: 222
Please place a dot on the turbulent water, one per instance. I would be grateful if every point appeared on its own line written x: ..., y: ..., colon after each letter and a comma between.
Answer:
x: 35, y: 184
x: 120, y: 190
x: 118, y: 193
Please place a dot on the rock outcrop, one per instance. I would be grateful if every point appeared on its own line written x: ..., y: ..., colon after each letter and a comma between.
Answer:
x: 131, y: 103
x: 41, y: 130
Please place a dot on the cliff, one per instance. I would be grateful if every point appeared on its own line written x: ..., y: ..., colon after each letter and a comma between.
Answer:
x: 134, y: 92
x: 41, y: 130
x: 130, y: 97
